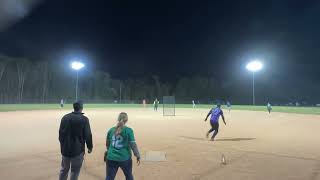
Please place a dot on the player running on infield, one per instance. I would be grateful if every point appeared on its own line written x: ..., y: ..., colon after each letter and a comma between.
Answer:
x: 214, y: 120
x: 120, y: 142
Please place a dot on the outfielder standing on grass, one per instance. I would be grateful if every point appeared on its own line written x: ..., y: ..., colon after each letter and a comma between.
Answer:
x: 214, y: 120
x: 144, y: 102
x: 61, y: 103
x: 120, y: 142
x: 229, y: 105
x: 269, y: 107
x: 74, y: 133
x: 155, y: 104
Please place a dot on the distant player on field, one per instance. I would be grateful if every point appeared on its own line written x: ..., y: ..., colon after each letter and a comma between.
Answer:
x: 193, y: 104
x: 269, y: 107
x: 61, y: 103
x: 155, y: 104
x: 214, y: 120
x: 229, y: 105
x: 144, y: 103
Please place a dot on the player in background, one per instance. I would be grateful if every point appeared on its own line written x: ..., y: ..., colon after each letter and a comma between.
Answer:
x: 61, y: 103
x: 269, y: 107
x: 214, y: 120
x: 229, y: 105
x: 120, y: 141
x: 155, y: 104
x: 144, y: 103
x: 193, y: 104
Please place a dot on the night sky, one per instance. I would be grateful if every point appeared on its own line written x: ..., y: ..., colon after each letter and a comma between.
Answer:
x: 173, y: 38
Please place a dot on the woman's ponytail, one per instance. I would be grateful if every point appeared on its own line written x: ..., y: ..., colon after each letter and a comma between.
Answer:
x: 122, y: 119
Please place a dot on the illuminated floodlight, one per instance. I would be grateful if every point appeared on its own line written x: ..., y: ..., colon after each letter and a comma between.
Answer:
x: 76, y: 65
x: 254, y: 66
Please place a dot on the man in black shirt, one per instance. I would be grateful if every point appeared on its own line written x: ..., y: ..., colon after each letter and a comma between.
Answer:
x: 74, y: 133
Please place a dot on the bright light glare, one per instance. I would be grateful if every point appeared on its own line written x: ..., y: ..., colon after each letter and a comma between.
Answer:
x: 77, y: 65
x: 254, y: 66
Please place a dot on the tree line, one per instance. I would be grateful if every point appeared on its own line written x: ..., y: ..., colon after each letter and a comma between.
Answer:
x: 25, y: 81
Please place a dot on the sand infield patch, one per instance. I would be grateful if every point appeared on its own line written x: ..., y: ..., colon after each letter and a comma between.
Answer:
x: 256, y: 145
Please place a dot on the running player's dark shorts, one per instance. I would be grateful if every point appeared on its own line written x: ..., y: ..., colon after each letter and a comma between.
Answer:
x: 214, y: 125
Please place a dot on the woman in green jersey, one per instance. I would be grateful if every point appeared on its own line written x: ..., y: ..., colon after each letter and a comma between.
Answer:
x: 120, y: 142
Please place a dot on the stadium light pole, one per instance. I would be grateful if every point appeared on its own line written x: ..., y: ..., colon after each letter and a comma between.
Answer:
x: 120, y: 93
x: 253, y: 67
x: 77, y: 65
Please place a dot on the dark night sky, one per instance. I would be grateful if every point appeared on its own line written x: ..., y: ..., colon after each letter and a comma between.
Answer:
x: 171, y: 38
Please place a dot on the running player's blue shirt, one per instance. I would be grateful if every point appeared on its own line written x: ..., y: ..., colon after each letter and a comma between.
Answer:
x: 215, y: 114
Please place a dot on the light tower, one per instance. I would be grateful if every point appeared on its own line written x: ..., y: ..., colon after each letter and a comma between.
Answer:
x: 253, y: 67
x: 77, y: 65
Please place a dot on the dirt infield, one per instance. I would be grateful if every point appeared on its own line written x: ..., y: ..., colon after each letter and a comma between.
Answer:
x: 256, y: 145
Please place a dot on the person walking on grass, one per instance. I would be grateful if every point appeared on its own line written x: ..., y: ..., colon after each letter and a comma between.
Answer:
x: 120, y: 141
x: 214, y: 120
x: 74, y: 133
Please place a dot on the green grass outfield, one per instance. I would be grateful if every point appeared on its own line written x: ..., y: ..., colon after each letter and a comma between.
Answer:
x: 26, y: 107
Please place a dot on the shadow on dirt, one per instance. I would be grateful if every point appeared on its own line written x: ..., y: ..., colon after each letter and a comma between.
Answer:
x: 219, y: 139
x: 235, y: 139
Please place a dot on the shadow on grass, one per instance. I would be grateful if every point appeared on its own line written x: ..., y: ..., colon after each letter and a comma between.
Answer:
x: 221, y: 139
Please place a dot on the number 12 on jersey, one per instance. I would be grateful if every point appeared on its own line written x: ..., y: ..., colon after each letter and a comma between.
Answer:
x: 117, y: 141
